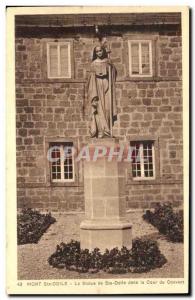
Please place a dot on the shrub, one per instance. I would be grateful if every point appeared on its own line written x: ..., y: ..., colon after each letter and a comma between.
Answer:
x: 143, y: 257
x: 167, y: 221
x: 31, y: 225
x: 146, y: 255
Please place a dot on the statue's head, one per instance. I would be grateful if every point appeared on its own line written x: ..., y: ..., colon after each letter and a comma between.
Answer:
x: 99, y: 52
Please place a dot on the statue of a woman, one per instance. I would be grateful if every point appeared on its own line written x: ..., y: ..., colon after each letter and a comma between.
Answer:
x: 101, y: 94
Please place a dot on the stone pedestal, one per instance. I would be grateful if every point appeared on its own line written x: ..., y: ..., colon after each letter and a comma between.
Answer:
x: 105, y: 225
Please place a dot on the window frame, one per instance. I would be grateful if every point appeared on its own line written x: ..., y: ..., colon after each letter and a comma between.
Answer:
x: 157, y: 141
x: 77, y: 165
x: 61, y: 180
x: 59, y: 44
x: 143, y: 177
x: 139, y: 42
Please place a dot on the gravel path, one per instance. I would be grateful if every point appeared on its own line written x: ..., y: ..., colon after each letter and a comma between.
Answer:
x: 32, y: 258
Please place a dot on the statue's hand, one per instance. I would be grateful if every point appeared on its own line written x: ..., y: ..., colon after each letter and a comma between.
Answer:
x: 94, y: 102
x: 94, y: 105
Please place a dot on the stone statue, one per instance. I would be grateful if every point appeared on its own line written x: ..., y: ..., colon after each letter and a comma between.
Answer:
x: 101, y: 94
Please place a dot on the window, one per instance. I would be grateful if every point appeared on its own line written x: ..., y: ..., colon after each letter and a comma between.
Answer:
x: 143, y: 160
x: 62, y: 162
x: 58, y: 60
x: 140, y: 58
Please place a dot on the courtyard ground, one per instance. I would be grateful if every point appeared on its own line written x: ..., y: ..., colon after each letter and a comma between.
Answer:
x: 33, y: 264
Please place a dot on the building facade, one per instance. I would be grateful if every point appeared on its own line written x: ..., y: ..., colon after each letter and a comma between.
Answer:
x: 53, y: 54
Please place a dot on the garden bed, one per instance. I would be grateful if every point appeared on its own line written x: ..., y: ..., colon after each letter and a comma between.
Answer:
x: 143, y: 257
x: 31, y: 225
x: 167, y: 221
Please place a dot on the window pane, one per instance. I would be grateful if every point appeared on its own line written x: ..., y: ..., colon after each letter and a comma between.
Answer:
x: 146, y: 166
x: 133, y: 156
x: 70, y: 175
x: 136, y: 163
x: 54, y: 176
x: 137, y: 152
x: 145, y: 58
x: 151, y: 173
x: 58, y: 176
x: 55, y: 154
x: 53, y: 56
x: 138, y: 166
x: 151, y: 166
x: 64, y: 61
x: 135, y: 58
x: 68, y: 162
x: 145, y: 152
x: 148, y: 159
x: 56, y: 167
x: 56, y: 171
x: 138, y: 173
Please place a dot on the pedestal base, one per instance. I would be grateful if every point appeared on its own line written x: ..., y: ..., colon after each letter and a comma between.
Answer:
x: 105, y: 235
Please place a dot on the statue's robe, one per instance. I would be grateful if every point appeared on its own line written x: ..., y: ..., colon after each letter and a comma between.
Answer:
x: 99, y: 97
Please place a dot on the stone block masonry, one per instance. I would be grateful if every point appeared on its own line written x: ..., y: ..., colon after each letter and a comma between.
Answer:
x: 148, y: 109
x: 105, y: 225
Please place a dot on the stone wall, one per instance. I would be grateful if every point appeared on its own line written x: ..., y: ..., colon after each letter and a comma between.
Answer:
x: 147, y: 108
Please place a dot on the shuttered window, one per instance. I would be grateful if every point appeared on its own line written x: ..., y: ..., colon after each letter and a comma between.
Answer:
x: 140, y: 58
x: 58, y: 60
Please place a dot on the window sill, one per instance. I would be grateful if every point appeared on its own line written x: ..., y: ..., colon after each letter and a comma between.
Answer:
x: 47, y: 185
x: 53, y: 80
x: 137, y: 78
x: 59, y: 78
x: 143, y: 181
x: 63, y: 184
